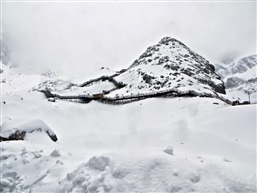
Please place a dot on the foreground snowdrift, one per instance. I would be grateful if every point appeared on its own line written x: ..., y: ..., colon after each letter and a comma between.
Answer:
x: 19, y: 129
x: 106, y: 148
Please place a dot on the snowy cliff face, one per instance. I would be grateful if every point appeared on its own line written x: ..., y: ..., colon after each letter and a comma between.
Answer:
x: 170, y: 64
x: 240, y: 77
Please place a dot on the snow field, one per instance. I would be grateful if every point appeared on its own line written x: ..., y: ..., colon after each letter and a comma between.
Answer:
x: 106, y: 148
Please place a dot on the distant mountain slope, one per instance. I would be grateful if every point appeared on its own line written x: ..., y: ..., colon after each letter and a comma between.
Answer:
x: 237, y: 67
x: 240, y: 77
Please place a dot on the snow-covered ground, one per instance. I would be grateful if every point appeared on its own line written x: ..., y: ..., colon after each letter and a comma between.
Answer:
x: 154, y: 145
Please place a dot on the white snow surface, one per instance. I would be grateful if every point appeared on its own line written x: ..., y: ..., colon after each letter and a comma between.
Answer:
x: 107, y: 148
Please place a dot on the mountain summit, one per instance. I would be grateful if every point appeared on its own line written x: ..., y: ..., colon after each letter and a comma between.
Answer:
x: 171, y: 64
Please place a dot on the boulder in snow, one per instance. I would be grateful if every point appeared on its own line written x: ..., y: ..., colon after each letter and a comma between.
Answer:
x: 169, y: 150
x: 99, y: 163
x: 17, y: 130
x: 55, y: 153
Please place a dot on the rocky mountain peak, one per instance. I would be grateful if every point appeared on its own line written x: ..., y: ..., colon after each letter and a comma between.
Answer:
x: 168, y: 47
x: 172, y: 56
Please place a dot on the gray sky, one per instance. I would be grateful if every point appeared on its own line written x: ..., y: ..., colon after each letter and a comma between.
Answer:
x: 82, y: 37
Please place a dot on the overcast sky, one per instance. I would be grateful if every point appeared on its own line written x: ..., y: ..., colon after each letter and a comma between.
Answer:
x: 87, y: 36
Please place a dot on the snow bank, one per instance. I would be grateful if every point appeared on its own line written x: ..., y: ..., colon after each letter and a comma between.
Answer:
x: 17, y: 129
x: 155, y: 173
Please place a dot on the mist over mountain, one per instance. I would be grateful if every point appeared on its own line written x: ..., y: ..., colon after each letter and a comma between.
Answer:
x: 229, y: 57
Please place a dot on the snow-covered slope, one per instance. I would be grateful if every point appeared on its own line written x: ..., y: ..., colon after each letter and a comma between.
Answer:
x: 237, y: 67
x: 169, y: 67
x: 127, y: 148
x: 240, y: 78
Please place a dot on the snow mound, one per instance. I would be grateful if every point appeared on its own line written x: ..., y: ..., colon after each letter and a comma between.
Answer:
x: 169, y: 150
x: 35, y: 168
x: 98, y: 163
x: 55, y: 153
x: 17, y: 130
x: 156, y: 173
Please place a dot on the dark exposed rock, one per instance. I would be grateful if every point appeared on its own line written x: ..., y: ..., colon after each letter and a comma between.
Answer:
x: 20, y: 135
x: 51, y: 99
x: 147, y: 78
x: 15, y: 136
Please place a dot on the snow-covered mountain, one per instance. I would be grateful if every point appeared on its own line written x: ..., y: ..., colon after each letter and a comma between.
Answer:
x: 167, y: 68
x: 240, y: 78
x: 171, y: 64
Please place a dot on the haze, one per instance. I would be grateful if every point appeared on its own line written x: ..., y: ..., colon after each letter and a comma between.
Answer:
x: 82, y: 37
